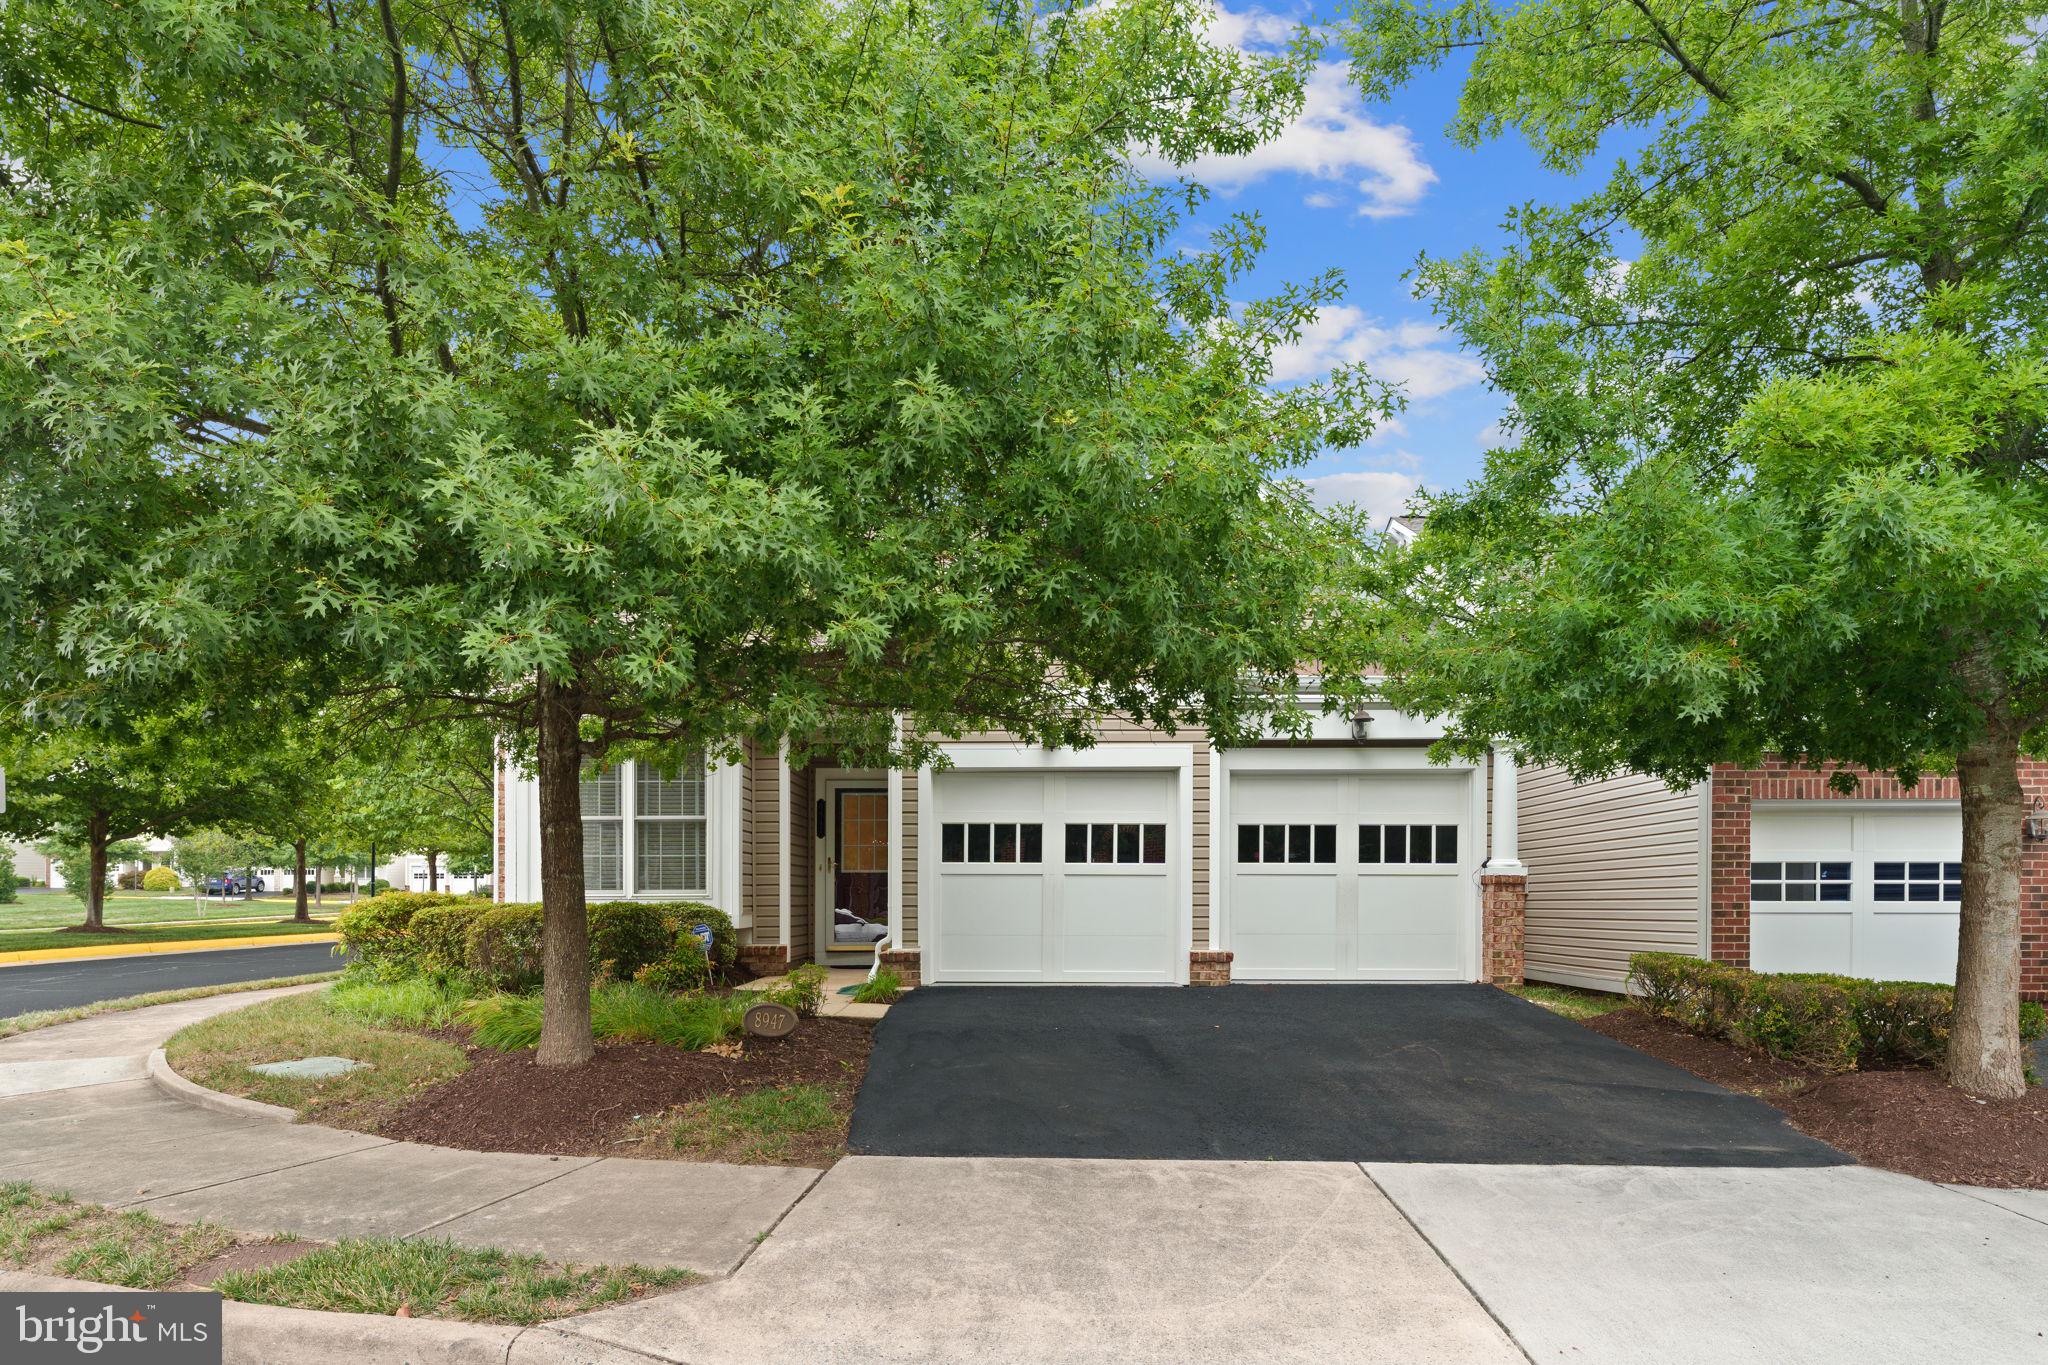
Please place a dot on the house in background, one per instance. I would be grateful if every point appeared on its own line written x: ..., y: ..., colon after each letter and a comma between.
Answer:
x: 1760, y: 867
x: 1149, y: 858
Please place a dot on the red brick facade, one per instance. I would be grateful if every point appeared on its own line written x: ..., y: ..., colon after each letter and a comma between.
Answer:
x: 1734, y: 789
x: 765, y: 959
x: 1209, y: 968
x: 904, y: 962
x: 1504, y: 905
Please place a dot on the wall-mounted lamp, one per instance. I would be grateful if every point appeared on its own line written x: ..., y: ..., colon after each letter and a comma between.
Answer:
x: 1361, y: 725
x: 2036, y: 824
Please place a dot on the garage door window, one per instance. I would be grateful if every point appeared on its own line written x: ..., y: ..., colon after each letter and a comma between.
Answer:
x: 991, y: 842
x: 1407, y: 843
x: 1116, y: 843
x: 1800, y: 881
x: 1287, y: 843
x: 1916, y: 881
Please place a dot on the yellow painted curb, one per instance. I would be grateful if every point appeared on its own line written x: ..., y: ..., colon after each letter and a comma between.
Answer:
x: 183, y: 945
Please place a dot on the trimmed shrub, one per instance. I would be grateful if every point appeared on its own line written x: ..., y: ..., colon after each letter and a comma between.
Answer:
x: 684, y: 969
x: 803, y: 990
x: 130, y: 880
x: 503, y: 946
x: 160, y: 879
x: 375, y: 928
x: 626, y: 936
x: 10, y: 882
x: 1834, y: 1022
x: 438, y: 937
x: 682, y: 917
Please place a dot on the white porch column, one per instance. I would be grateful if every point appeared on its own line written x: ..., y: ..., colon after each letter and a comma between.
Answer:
x: 1504, y: 852
x: 787, y: 836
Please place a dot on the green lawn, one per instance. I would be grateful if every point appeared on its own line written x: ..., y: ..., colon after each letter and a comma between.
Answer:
x: 30, y: 940
x: 55, y: 909
x: 218, y: 1052
x: 50, y: 1233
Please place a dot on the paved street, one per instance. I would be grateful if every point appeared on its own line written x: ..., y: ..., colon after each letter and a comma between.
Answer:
x: 60, y: 985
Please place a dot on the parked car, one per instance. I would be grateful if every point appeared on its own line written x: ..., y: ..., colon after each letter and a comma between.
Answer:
x: 234, y: 884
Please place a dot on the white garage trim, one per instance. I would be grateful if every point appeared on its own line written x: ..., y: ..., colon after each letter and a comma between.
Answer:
x: 1351, y: 760
x: 1178, y: 759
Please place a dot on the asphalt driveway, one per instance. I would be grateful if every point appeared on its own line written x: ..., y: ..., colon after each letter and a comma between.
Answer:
x: 1291, y: 1073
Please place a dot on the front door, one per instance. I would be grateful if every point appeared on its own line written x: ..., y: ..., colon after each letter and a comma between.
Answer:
x: 858, y: 870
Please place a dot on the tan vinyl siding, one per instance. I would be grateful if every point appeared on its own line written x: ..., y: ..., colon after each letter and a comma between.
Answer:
x: 1114, y: 730
x: 802, y: 905
x: 1614, y: 869
x: 761, y: 845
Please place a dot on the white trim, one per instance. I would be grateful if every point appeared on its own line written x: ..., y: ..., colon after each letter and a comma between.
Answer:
x: 1178, y: 759
x: 1215, y: 850
x: 824, y: 783
x: 895, y: 856
x: 1706, y: 795
x: 1387, y: 762
x: 724, y: 840
x: 787, y: 840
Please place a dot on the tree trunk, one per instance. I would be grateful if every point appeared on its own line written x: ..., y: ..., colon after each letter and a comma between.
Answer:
x: 320, y: 886
x: 433, y: 871
x: 565, y: 934
x: 96, y: 840
x: 300, y: 912
x: 1984, y: 1057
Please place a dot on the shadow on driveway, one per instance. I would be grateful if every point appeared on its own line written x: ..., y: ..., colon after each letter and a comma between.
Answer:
x: 1461, y: 1073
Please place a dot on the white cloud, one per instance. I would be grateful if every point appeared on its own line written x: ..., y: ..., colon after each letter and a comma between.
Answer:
x: 1379, y: 493
x: 1407, y: 353
x: 1320, y: 200
x: 1333, y: 139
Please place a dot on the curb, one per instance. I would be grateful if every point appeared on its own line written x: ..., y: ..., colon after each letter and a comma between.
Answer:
x: 183, y: 945
x: 260, y: 1334
x: 178, y: 1088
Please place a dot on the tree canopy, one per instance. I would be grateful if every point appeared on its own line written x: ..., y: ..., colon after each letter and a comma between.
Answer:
x: 629, y: 373
x: 1774, y: 471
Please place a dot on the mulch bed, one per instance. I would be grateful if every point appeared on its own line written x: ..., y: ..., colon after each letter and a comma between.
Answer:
x: 505, y: 1103
x: 1907, y: 1121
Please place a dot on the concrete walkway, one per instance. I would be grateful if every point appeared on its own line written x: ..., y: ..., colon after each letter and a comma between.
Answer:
x: 75, y: 1115
x: 1069, y: 1261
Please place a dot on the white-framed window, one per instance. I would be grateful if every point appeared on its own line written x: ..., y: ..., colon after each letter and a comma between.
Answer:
x: 604, y: 832
x: 992, y: 842
x: 1116, y: 843
x: 670, y: 834
x: 646, y: 831
x: 1407, y: 844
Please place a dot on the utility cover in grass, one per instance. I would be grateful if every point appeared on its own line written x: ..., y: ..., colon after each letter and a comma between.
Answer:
x: 311, y: 1068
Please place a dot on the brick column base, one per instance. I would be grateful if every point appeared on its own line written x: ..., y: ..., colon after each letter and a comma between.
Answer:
x: 903, y: 962
x: 1504, y: 904
x: 1209, y: 969
x: 765, y: 959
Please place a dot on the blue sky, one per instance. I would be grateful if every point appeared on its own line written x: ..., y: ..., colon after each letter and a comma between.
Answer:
x: 1368, y: 188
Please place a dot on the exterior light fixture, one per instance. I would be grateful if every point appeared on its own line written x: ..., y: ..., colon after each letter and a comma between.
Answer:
x: 2036, y: 826
x: 1361, y: 725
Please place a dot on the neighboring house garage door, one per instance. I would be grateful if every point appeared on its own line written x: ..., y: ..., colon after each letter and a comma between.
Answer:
x: 1860, y: 891
x: 1351, y: 876
x: 1061, y: 876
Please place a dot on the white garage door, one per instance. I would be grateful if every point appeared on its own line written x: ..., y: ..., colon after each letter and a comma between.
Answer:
x: 1066, y: 876
x: 1860, y: 892
x: 1337, y: 877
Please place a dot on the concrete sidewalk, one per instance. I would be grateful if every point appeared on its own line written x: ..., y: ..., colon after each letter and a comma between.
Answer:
x: 74, y: 1116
